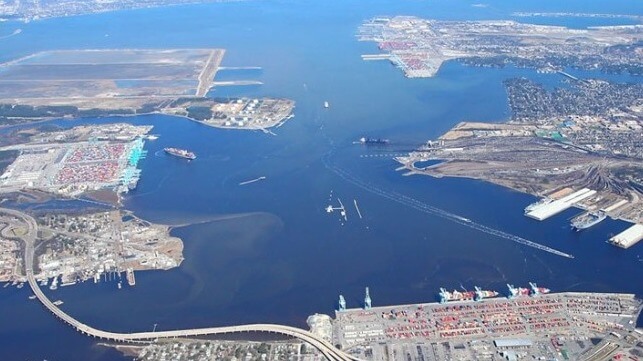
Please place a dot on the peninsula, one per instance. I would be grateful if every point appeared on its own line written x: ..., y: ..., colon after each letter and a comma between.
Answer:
x: 584, y: 136
x: 81, y: 246
x: 128, y: 82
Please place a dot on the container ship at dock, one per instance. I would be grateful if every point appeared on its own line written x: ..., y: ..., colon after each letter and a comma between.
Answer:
x: 181, y: 153
x: 479, y: 294
x: 533, y: 290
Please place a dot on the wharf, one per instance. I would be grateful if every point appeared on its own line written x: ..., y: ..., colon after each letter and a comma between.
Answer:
x: 545, y: 211
x: 376, y: 57
x: 628, y: 237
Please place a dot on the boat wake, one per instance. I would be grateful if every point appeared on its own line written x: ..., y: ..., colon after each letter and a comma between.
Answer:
x: 423, y: 207
x: 14, y: 33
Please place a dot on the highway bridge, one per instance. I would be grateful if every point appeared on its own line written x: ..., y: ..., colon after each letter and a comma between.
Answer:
x: 329, y: 351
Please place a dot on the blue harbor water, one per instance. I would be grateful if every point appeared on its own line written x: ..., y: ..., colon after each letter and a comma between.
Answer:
x: 268, y: 251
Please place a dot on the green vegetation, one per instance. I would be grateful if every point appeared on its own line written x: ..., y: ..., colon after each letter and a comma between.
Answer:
x: 199, y: 112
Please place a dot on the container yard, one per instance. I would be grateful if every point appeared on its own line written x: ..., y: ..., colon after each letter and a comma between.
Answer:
x: 539, y: 320
x: 76, y: 167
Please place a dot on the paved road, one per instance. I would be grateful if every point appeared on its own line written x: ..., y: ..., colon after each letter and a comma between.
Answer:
x: 326, y: 348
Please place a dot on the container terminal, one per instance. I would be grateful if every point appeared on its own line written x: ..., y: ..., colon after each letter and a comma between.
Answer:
x: 530, y: 323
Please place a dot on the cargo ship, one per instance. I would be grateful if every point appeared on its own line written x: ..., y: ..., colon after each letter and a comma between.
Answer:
x: 181, y: 153
x: 518, y: 292
x: 541, y: 202
x: 535, y: 290
x: 477, y: 295
x: 587, y: 220
x: 372, y: 141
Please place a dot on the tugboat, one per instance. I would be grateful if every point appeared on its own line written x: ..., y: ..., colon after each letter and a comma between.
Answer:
x: 181, y: 153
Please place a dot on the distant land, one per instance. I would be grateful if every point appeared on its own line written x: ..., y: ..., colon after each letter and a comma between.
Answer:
x: 576, y: 145
x: 583, y: 137
x: 420, y: 46
x: 587, y: 135
x: 110, y: 82
x: 30, y: 10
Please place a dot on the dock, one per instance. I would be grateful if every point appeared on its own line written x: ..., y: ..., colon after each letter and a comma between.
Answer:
x: 376, y: 57
x: 545, y: 211
x: 628, y: 237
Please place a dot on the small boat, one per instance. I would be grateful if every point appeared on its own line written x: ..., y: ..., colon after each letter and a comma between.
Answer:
x: 326, y: 105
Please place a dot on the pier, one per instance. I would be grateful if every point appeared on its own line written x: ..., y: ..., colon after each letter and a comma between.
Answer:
x: 376, y: 57
x: 628, y: 237
x: 568, y: 75
x: 237, y: 82
x: 545, y: 211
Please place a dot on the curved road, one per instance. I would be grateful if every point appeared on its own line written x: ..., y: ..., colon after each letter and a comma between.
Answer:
x: 326, y: 348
